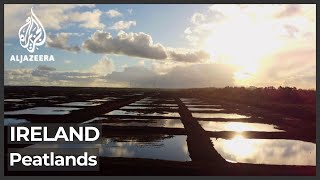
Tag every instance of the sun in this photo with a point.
(244, 42)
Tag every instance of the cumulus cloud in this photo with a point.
(276, 43)
(187, 30)
(134, 77)
(113, 13)
(89, 19)
(198, 18)
(60, 41)
(122, 25)
(56, 16)
(188, 56)
(40, 77)
(32, 77)
(46, 75)
(103, 67)
(20, 77)
(52, 75)
(53, 16)
(14, 13)
(140, 45)
(130, 44)
(196, 75)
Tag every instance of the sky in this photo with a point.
(165, 46)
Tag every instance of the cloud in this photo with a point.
(187, 30)
(67, 61)
(14, 13)
(52, 75)
(58, 16)
(141, 62)
(103, 67)
(87, 19)
(276, 42)
(163, 67)
(196, 75)
(291, 30)
(270, 44)
(30, 77)
(122, 25)
(130, 44)
(188, 56)
(140, 45)
(298, 70)
(45, 68)
(198, 18)
(113, 13)
(18, 77)
(134, 77)
(60, 41)
(130, 11)
(102, 74)
(289, 10)
(70, 76)
(53, 16)
(42, 77)
(220, 17)
(45, 75)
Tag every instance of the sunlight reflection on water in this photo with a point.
(164, 147)
(219, 115)
(266, 151)
(238, 126)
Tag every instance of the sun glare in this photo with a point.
(239, 146)
(243, 41)
(238, 127)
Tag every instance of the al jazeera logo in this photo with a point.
(32, 36)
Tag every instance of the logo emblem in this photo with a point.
(32, 34)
